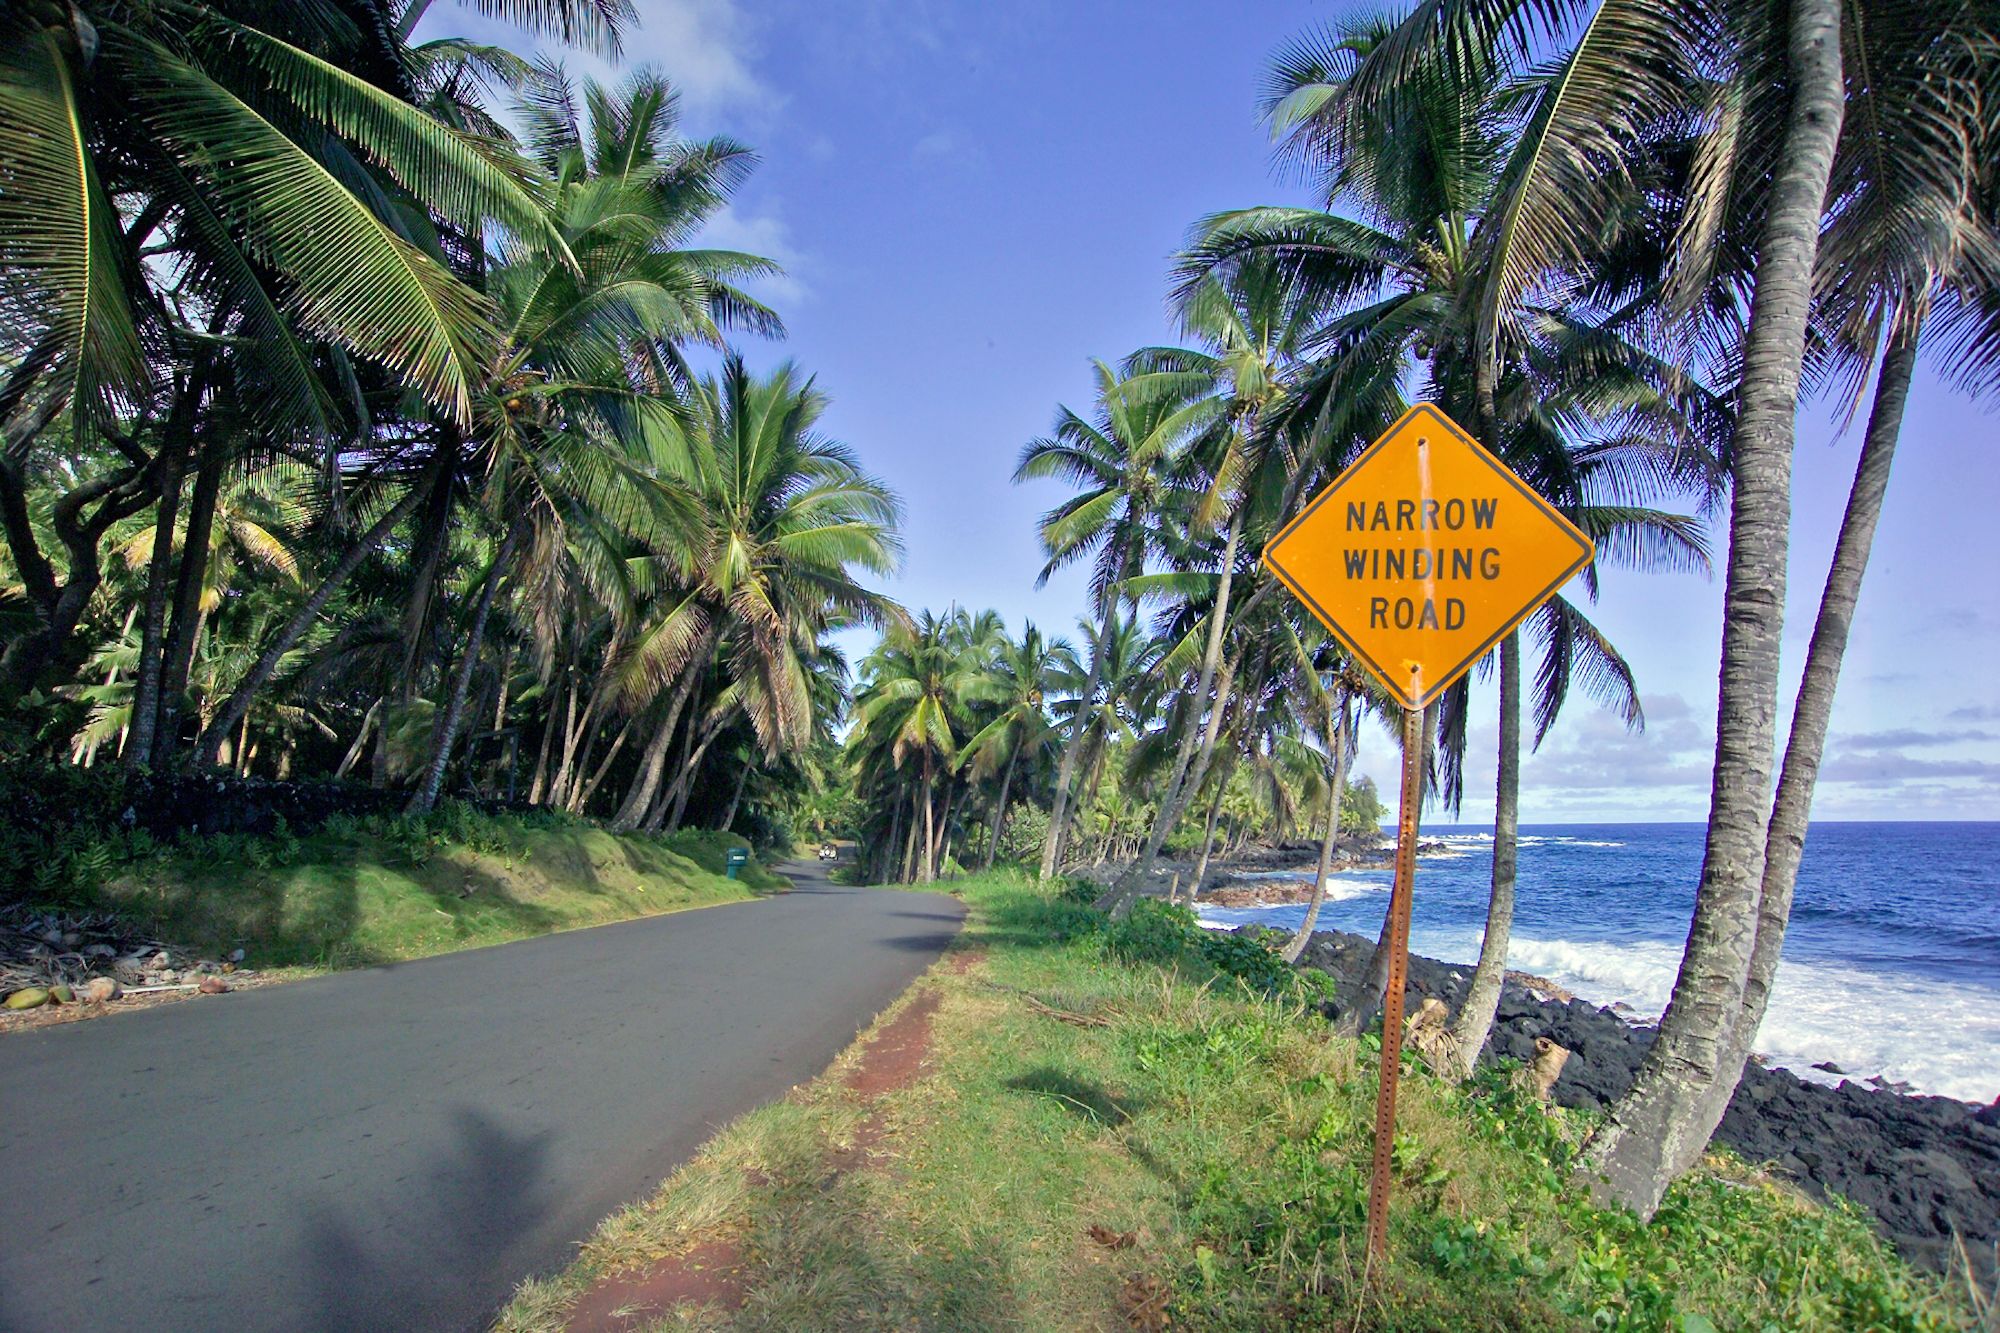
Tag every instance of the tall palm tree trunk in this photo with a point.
(185, 632)
(159, 574)
(1785, 842)
(1207, 843)
(259, 675)
(553, 791)
(930, 825)
(639, 800)
(1000, 809)
(571, 729)
(589, 788)
(502, 686)
(944, 826)
(347, 761)
(539, 782)
(1474, 1020)
(1662, 1125)
(584, 731)
(426, 794)
(1120, 897)
(735, 799)
(908, 871)
(886, 857)
(1180, 787)
(673, 803)
(1336, 790)
(1066, 771)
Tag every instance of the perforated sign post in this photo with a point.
(1420, 557)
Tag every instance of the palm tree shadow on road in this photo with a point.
(358, 1274)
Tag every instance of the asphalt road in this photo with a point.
(396, 1148)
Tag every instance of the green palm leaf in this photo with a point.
(352, 279)
(61, 269)
(465, 180)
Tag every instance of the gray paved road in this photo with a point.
(395, 1148)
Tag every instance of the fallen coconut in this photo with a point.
(213, 986)
(34, 997)
(101, 990)
(62, 994)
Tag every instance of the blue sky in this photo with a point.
(973, 200)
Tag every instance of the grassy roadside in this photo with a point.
(384, 889)
(1110, 1132)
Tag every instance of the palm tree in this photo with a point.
(1771, 80)
(567, 398)
(1122, 464)
(787, 519)
(1426, 171)
(1337, 733)
(1115, 713)
(559, 408)
(1016, 685)
(1769, 91)
(1774, 95)
(1258, 321)
(911, 707)
(1912, 253)
(237, 153)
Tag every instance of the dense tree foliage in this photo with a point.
(355, 425)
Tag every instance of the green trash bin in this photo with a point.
(738, 858)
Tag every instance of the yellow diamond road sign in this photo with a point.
(1424, 553)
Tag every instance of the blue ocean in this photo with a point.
(1891, 966)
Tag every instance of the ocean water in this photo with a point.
(1891, 965)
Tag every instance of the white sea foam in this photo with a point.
(1939, 1037)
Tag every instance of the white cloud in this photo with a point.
(705, 47)
(1891, 768)
(1903, 738)
(761, 234)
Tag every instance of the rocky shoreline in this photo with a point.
(1925, 1167)
(1224, 885)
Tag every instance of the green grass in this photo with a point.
(365, 891)
(1219, 1124)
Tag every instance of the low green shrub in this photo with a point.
(1170, 934)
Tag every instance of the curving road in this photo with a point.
(396, 1148)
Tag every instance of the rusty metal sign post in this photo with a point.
(1399, 967)
(1420, 557)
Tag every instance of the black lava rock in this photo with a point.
(1925, 1167)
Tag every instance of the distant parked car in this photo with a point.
(827, 852)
